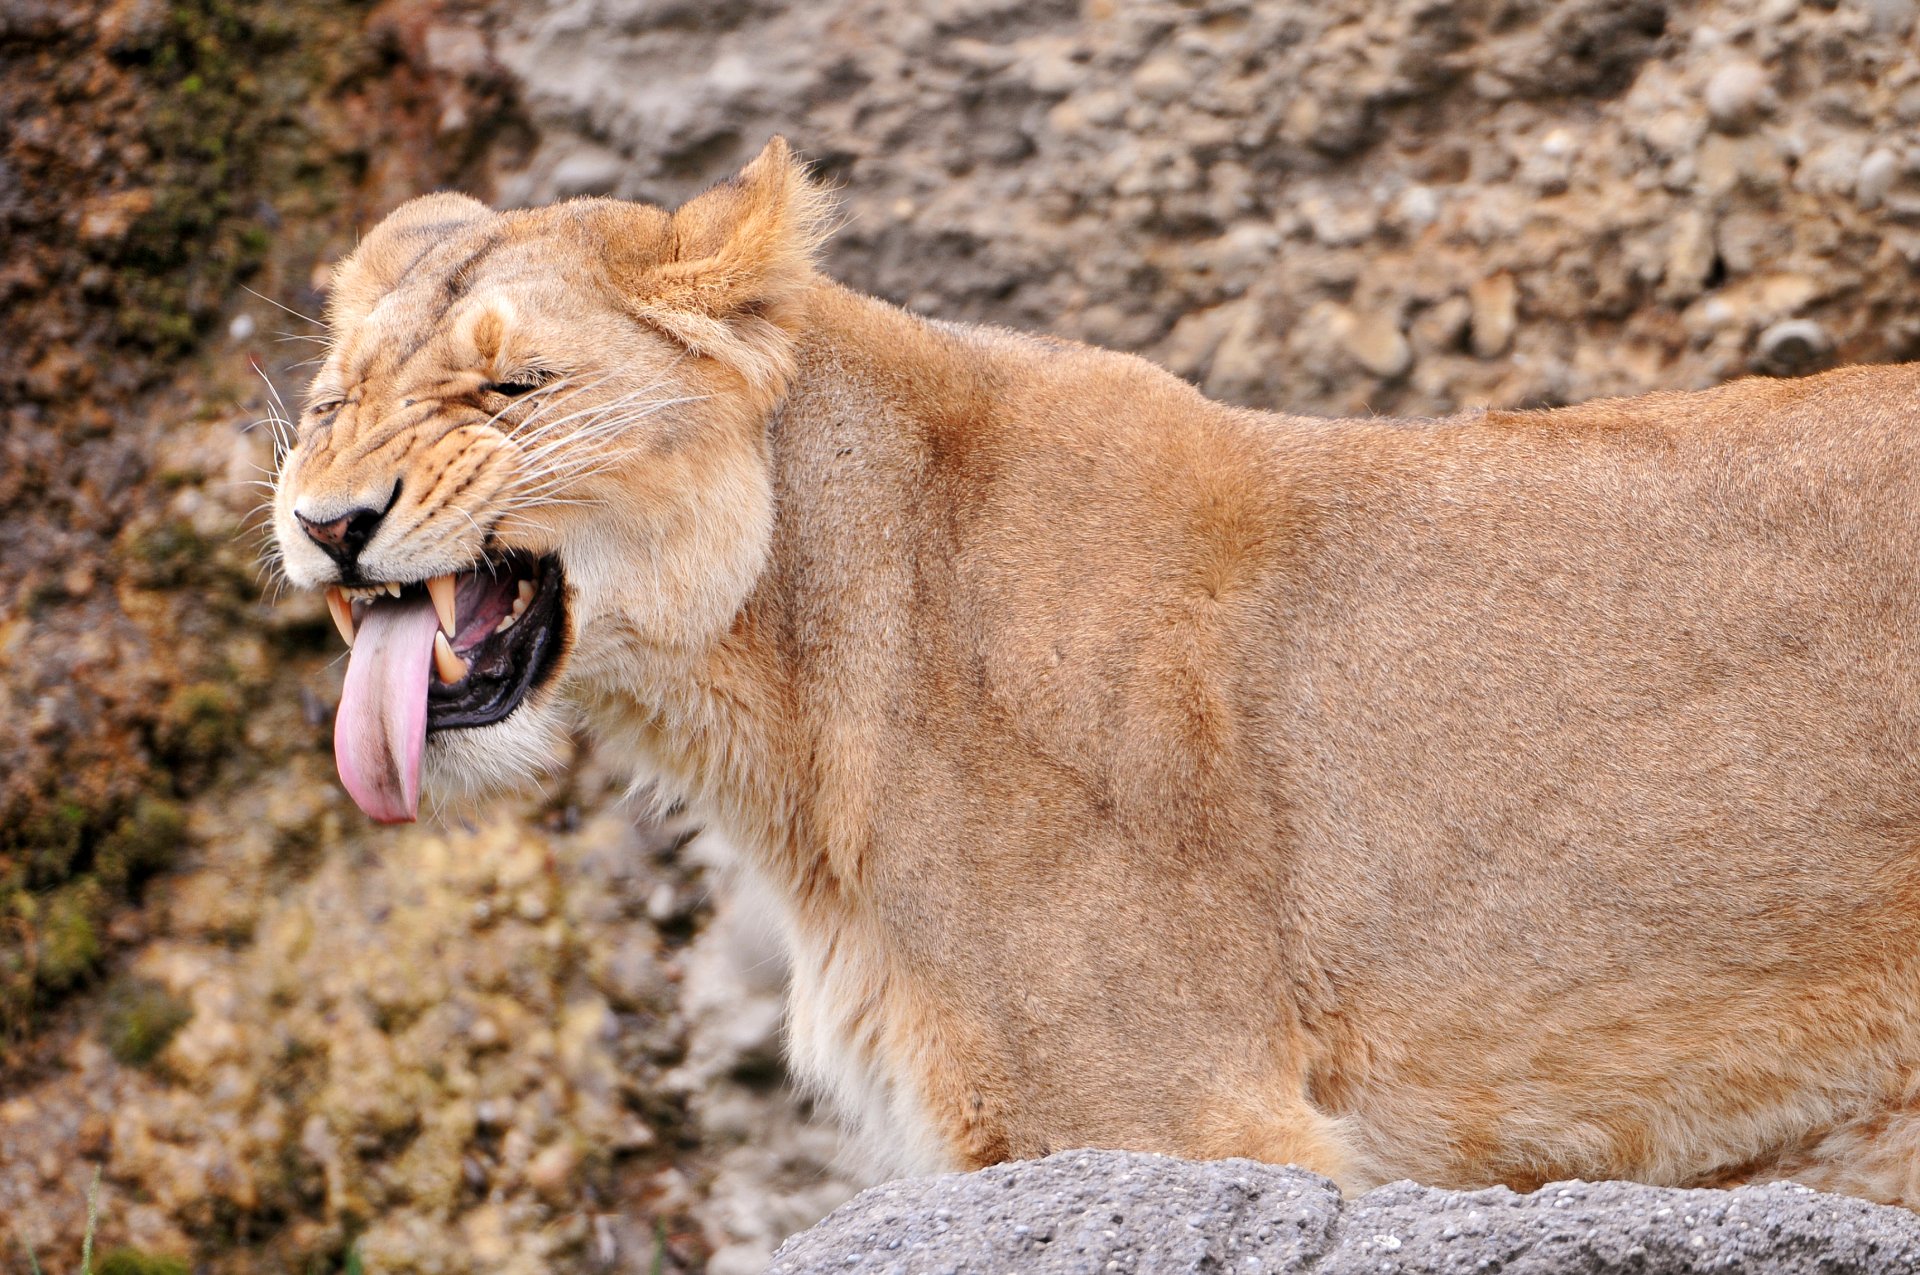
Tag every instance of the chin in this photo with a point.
(508, 756)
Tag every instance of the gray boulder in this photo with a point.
(1113, 1211)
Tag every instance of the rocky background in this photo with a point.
(545, 1037)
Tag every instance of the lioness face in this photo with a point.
(536, 437)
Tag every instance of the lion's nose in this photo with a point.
(342, 538)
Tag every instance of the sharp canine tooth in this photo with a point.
(440, 589)
(342, 612)
(393, 588)
(449, 666)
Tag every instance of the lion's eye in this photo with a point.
(514, 388)
(325, 407)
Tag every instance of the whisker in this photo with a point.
(304, 318)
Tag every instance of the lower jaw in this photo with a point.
(500, 757)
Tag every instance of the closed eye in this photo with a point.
(514, 388)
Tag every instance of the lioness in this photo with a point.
(1495, 799)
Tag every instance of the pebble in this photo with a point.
(1736, 93)
(1878, 171)
(1495, 303)
(1163, 79)
(550, 1173)
(1377, 344)
(1792, 347)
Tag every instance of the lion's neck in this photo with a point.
(764, 729)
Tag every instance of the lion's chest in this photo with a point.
(844, 1048)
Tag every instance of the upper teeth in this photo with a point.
(440, 589)
(342, 612)
(525, 595)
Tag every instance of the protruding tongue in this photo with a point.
(381, 728)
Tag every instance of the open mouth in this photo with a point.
(459, 650)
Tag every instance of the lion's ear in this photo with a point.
(733, 256)
(392, 248)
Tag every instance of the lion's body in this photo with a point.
(1492, 799)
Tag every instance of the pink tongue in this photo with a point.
(381, 728)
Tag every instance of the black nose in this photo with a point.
(342, 538)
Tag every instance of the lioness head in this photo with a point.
(537, 435)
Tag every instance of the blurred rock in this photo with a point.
(1736, 93)
(1375, 342)
(1792, 347)
(1493, 305)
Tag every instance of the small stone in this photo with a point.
(1495, 303)
(1163, 79)
(631, 975)
(1377, 344)
(456, 50)
(550, 1173)
(1878, 171)
(1736, 94)
(1417, 208)
(1442, 327)
(110, 217)
(589, 170)
(1690, 249)
(1792, 347)
(1339, 225)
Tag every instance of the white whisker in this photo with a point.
(304, 318)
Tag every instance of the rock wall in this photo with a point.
(1357, 205)
(545, 1037)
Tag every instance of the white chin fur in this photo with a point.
(510, 754)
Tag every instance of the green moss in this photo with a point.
(131, 1261)
(144, 842)
(70, 942)
(140, 1019)
(222, 75)
(64, 867)
(199, 722)
(168, 555)
(52, 839)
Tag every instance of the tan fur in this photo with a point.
(1493, 799)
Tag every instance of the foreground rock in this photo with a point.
(1119, 1211)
